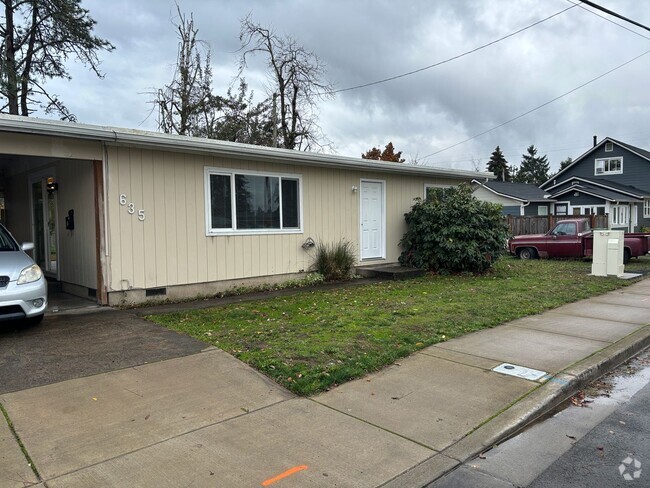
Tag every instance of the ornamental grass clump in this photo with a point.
(335, 261)
(453, 232)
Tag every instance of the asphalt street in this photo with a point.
(593, 443)
(618, 446)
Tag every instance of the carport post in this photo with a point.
(100, 233)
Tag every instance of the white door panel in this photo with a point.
(372, 219)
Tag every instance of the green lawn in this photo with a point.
(315, 339)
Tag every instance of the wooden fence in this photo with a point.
(520, 225)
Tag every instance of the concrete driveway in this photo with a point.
(75, 345)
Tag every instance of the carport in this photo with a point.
(52, 195)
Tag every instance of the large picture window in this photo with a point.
(246, 202)
(609, 166)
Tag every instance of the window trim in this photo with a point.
(646, 208)
(231, 172)
(433, 185)
(560, 203)
(619, 172)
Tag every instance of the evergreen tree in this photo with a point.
(37, 40)
(534, 169)
(567, 162)
(499, 166)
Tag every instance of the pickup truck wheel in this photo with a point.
(626, 256)
(527, 253)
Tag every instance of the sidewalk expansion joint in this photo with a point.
(375, 425)
(498, 361)
(570, 335)
(30, 461)
(431, 355)
(162, 441)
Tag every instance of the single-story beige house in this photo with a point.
(127, 216)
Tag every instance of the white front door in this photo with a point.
(372, 219)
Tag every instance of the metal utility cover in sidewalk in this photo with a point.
(520, 371)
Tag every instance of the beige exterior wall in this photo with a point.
(170, 247)
(77, 248)
(49, 147)
(487, 196)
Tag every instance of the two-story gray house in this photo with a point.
(611, 178)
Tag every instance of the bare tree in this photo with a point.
(296, 78)
(38, 37)
(186, 106)
(476, 164)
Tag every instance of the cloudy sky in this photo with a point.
(362, 41)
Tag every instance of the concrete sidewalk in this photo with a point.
(208, 420)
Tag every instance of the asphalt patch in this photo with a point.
(72, 346)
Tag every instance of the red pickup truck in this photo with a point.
(571, 238)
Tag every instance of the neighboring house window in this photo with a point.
(246, 202)
(646, 208)
(561, 209)
(542, 210)
(589, 210)
(609, 166)
(620, 214)
(609, 147)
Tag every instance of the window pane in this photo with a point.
(220, 202)
(290, 204)
(257, 202)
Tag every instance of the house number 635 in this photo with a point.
(130, 207)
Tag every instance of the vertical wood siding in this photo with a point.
(170, 246)
(77, 250)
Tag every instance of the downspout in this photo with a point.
(522, 212)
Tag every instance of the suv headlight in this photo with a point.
(30, 274)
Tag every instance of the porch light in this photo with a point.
(51, 185)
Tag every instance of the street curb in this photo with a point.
(524, 411)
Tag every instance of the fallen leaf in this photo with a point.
(600, 448)
(147, 417)
(572, 437)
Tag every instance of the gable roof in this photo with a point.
(523, 192)
(173, 142)
(636, 150)
(599, 192)
(619, 188)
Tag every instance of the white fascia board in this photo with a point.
(171, 142)
(596, 183)
(511, 197)
(581, 190)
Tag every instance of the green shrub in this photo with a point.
(335, 261)
(452, 231)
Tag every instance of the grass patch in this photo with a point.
(313, 340)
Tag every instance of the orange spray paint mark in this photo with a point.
(288, 472)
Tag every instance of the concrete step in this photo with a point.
(392, 271)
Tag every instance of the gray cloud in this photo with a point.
(365, 40)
